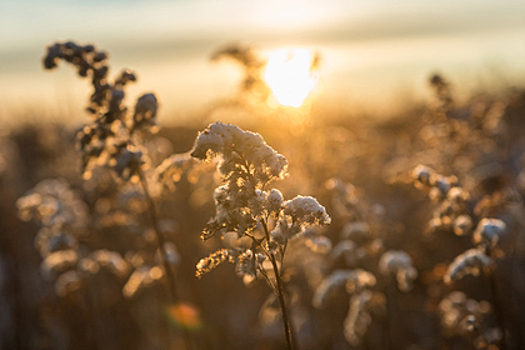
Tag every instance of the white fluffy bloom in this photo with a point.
(472, 261)
(306, 210)
(399, 264)
(489, 231)
(354, 280)
(232, 142)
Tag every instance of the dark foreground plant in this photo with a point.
(115, 139)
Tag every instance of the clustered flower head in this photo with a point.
(488, 232)
(398, 264)
(299, 213)
(64, 218)
(462, 315)
(471, 262)
(451, 214)
(354, 280)
(60, 210)
(242, 152)
(244, 207)
(108, 140)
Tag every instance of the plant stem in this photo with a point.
(390, 320)
(290, 343)
(498, 309)
(174, 296)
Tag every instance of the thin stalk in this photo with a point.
(498, 309)
(290, 342)
(174, 296)
(390, 320)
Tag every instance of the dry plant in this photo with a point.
(244, 205)
(114, 140)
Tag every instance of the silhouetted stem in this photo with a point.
(498, 309)
(174, 296)
(290, 343)
(390, 320)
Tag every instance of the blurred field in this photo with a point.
(478, 138)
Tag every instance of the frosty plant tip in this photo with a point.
(245, 207)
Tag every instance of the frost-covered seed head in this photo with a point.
(354, 280)
(472, 262)
(328, 286)
(461, 315)
(398, 264)
(231, 142)
(306, 210)
(489, 232)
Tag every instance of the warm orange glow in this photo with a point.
(185, 316)
(289, 75)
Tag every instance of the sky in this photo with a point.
(371, 49)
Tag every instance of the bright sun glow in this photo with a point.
(289, 75)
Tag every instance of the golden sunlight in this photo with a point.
(289, 75)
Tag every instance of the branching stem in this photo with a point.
(290, 343)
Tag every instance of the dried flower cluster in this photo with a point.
(115, 139)
(361, 250)
(468, 317)
(452, 214)
(354, 281)
(108, 140)
(398, 264)
(64, 219)
(243, 206)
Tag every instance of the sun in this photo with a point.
(290, 76)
